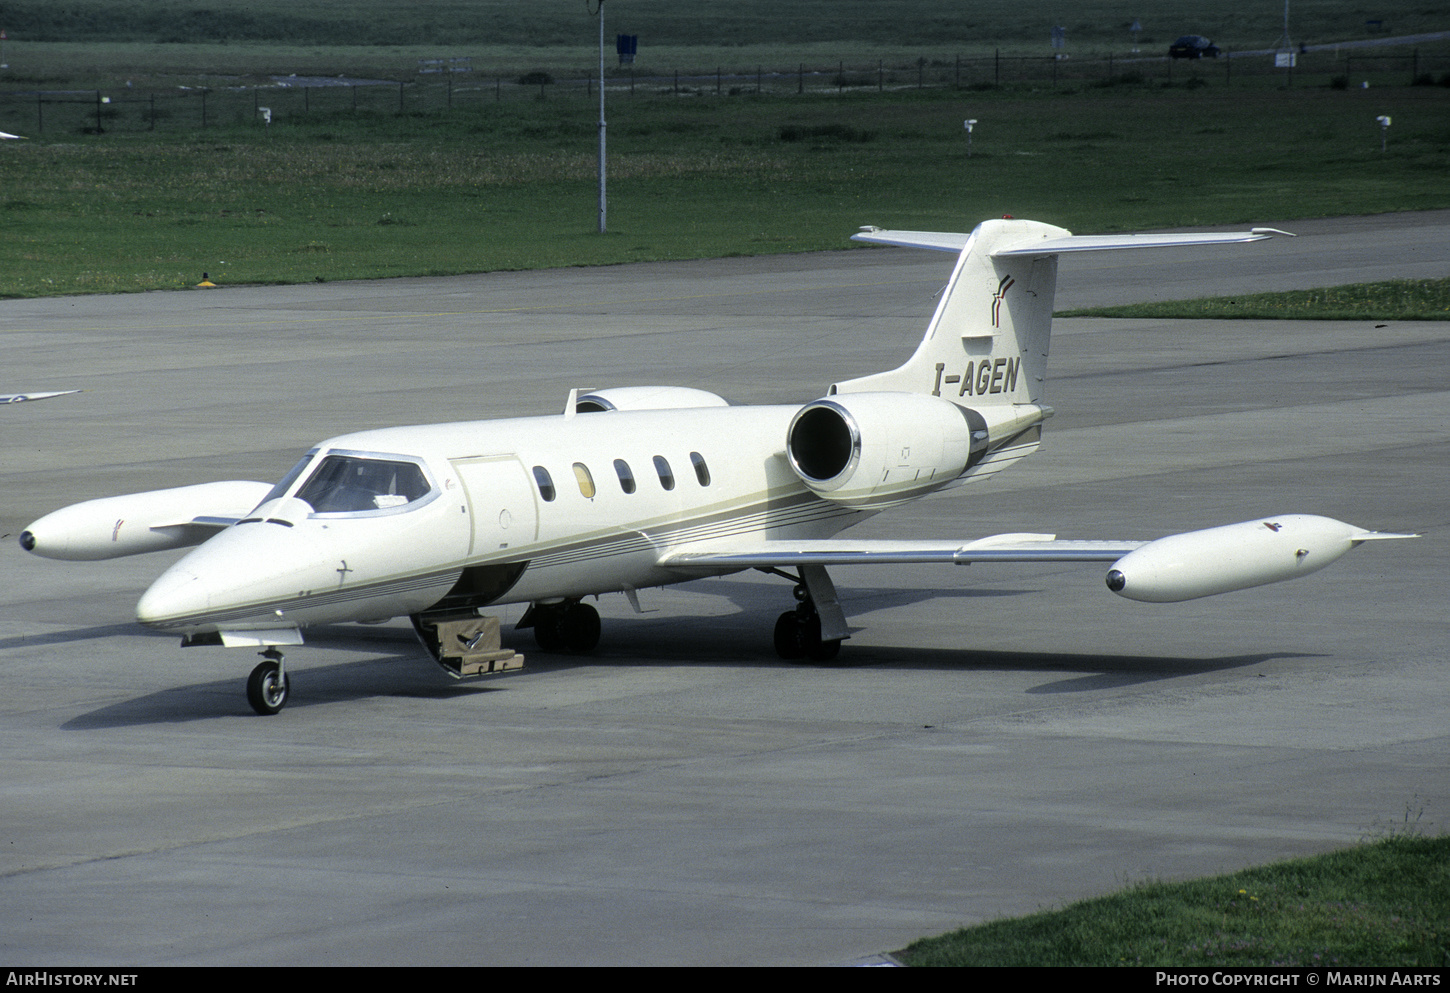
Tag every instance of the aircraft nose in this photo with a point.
(178, 592)
(240, 576)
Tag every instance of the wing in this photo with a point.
(1177, 567)
(845, 551)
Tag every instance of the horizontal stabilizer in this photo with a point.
(955, 241)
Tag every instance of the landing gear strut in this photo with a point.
(564, 627)
(268, 686)
(815, 628)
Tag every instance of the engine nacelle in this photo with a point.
(1232, 557)
(140, 522)
(646, 398)
(875, 450)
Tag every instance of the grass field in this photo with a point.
(344, 194)
(1385, 904)
(1393, 300)
(146, 181)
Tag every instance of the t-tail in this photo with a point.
(988, 341)
(985, 349)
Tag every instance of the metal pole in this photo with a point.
(603, 203)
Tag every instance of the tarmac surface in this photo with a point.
(994, 740)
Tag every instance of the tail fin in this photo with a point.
(988, 341)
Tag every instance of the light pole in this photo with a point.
(602, 200)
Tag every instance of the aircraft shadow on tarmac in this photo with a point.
(398, 669)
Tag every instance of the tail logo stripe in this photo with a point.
(1002, 288)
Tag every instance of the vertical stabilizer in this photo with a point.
(987, 343)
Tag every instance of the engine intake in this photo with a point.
(876, 450)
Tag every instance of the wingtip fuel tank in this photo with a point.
(1234, 557)
(140, 522)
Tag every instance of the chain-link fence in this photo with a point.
(49, 112)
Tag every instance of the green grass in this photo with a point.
(342, 194)
(1394, 300)
(1384, 904)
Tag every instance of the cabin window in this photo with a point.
(346, 484)
(586, 481)
(702, 471)
(667, 476)
(546, 483)
(626, 475)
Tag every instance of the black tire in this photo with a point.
(548, 630)
(580, 628)
(266, 692)
(825, 651)
(788, 636)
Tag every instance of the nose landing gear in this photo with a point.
(268, 686)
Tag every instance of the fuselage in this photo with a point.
(391, 522)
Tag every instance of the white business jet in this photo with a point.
(647, 486)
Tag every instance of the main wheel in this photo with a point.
(267, 688)
(788, 644)
(580, 628)
(548, 628)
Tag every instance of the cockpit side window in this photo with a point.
(349, 484)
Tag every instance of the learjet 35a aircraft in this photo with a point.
(646, 486)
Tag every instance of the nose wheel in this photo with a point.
(268, 685)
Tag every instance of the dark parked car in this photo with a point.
(1193, 46)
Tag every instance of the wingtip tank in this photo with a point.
(1234, 557)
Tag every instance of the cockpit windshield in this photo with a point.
(349, 483)
(293, 474)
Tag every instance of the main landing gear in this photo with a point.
(268, 686)
(570, 626)
(815, 628)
